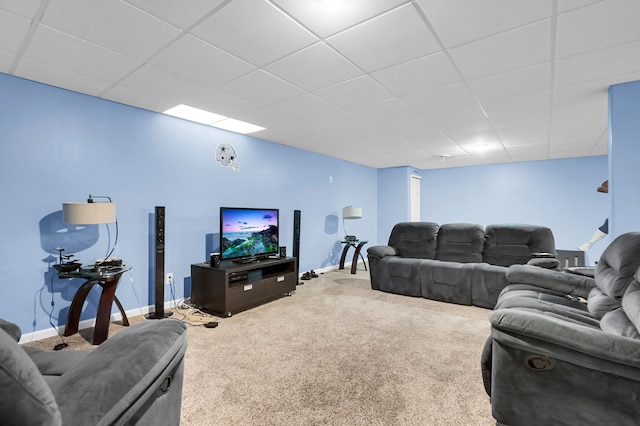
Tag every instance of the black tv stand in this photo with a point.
(233, 286)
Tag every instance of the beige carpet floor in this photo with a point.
(337, 353)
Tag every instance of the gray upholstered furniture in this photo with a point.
(135, 377)
(457, 262)
(565, 349)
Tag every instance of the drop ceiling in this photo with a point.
(383, 83)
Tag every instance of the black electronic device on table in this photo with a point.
(350, 238)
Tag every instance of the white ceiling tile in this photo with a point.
(527, 134)
(583, 91)
(137, 99)
(386, 95)
(341, 122)
(522, 102)
(327, 18)
(601, 146)
(584, 121)
(570, 148)
(54, 76)
(13, 29)
(111, 24)
(567, 5)
(456, 128)
(201, 62)
(456, 116)
(354, 92)
(154, 82)
(261, 87)
(598, 26)
(255, 31)
(305, 106)
(66, 52)
(531, 152)
(510, 83)
(519, 117)
(595, 65)
(504, 52)
(314, 67)
(383, 112)
(24, 8)
(387, 40)
(462, 21)
(6, 59)
(182, 14)
(418, 132)
(439, 98)
(417, 75)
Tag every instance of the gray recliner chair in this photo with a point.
(135, 377)
(566, 350)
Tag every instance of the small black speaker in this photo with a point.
(214, 262)
(283, 252)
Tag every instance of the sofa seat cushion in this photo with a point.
(460, 242)
(25, 398)
(401, 276)
(446, 281)
(487, 283)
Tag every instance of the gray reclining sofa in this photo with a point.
(134, 378)
(565, 349)
(457, 262)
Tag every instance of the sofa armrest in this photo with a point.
(566, 340)
(382, 251)
(544, 262)
(116, 381)
(562, 282)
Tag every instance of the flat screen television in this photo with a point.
(248, 234)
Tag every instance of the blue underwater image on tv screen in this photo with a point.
(248, 232)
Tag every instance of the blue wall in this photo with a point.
(394, 192)
(62, 146)
(624, 154)
(560, 194)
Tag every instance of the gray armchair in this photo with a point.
(565, 349)
(135, 377)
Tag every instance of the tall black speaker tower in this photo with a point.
(296, 241)
(159, 252)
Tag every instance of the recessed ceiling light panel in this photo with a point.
(194, 114)
(237, 126)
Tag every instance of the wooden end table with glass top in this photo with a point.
(357, 244)
(105, 277)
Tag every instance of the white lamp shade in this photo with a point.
(88, 213)
(352, 212)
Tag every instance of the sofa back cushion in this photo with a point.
(460, 242)
(618, 264)
(507, 245)
(415, 239)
